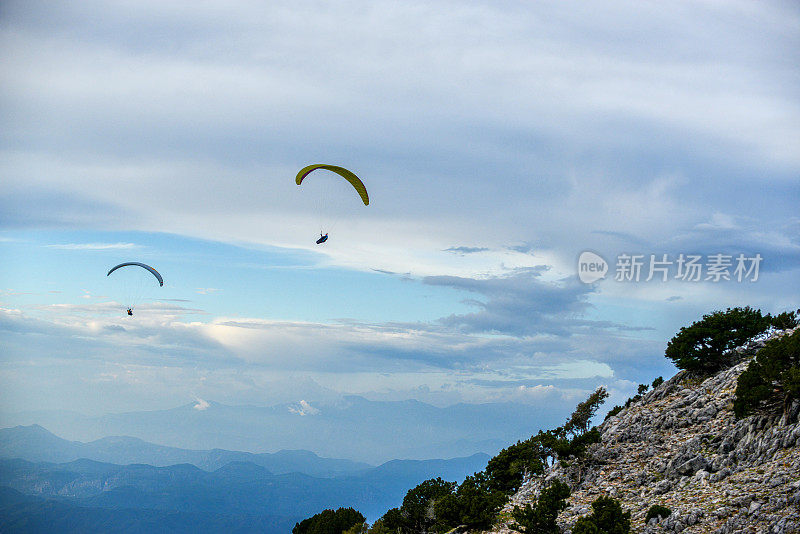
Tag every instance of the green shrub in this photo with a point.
(662, 512)
(416, 512)
(540, 518)
(379, 527)
(419, 502)
(439, 506)
(577, 446)
(581, 419)
(358, 528)
(773, 377)
(474, 505)
(392, 521)
(657, 382)
(329, 522)
(701, 346)
(614, 411)
(507, 469)
(607, 518)
(786, 320)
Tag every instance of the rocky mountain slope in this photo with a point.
(681, 447)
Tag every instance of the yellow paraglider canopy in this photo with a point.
(354, 180)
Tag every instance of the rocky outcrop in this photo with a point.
(681, 447)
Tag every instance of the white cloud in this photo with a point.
(719, 221)
(476, 126)
(303, 408)
(541, 125)
(201, 405)
(238, 359)
(94, 246)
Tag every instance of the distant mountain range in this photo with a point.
(351, 427)
(237, 493)
(36, 444)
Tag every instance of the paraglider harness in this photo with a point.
(130, 311)
(322, 239)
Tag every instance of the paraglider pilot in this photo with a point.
(130, 311)
(322, 238)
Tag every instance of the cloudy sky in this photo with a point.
(498, 141)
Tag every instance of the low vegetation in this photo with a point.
(657, 382)
(772, 379)
(512, 465)
(701, 346)
(540, 516)
(331, 522)
(474, 505)
(661, 512)
(607, 517)
(786, 320)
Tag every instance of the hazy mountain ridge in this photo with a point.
(36, 444)
(237, 488)
(350, 427)
(681, 446)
